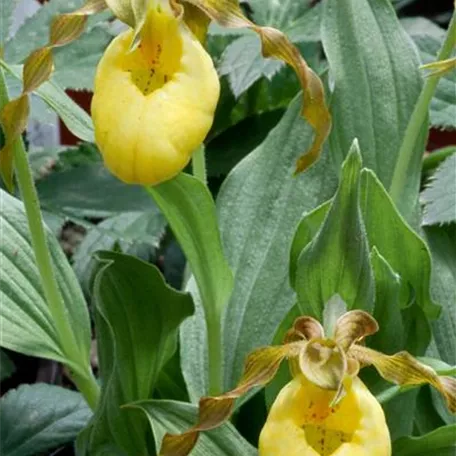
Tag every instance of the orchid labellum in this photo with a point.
(154, 105)
(325, 409)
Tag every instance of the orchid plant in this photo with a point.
(315, 252)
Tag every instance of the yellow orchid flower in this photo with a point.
(153, 106)
(302, 422)
(326, 409)
(156, 88)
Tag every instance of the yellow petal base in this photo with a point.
(152, 107)
(302, 423)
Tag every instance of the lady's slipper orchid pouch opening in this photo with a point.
(303, 422)
(326, 410)
(153, 105)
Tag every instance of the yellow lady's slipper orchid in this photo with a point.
(154, 105)
(302, 422)
(325, 410)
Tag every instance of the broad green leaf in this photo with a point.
(90, 191)
(7, 8)
(190, 210)
(376, 87)
(378, 212)
(429, 37)
(337, 260)
(400, 246)
(441, 442)
(387, 310)
(27, 324)
(40, 417)
(259, 205)
(306, 230)
(442, 242)
(137, 317)
(73, 116)
(439, 196)
(128, 230)
(176, 417)
(7, 367)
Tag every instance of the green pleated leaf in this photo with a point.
(72, 115)
(36, 418)
(307, 229)
(441, 442)
(176, 417)
(137, 318)
(337, 259)
(190, 210)
(439, 197)
(259, 206)
(402, 248)
(377, 82)
(27, 324)
(387, 311)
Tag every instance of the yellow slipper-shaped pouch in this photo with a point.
(302, 423)
(153, 106)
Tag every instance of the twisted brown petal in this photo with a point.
(276, 45)
(260, 367)
(403, 369)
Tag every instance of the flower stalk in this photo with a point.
(418, 119)
(199, 164)
(84, 380)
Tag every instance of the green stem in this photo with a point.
(85, 381)
(214, 342)
(199, 164)
(213, 320)
(418, 119)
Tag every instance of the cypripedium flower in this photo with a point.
(154, 105)
(156, 88)
(302, 422)
(326, 409)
